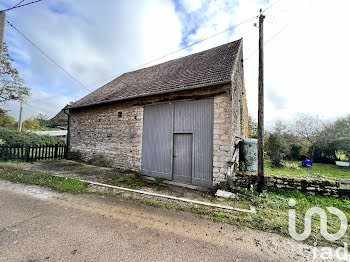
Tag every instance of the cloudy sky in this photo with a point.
(307, 57)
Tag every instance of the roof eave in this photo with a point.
(153, 94)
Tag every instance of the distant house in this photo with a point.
(176, 120)
(61, 119)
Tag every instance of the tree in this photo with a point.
(295, 151)
(252, 128)
(6, 120)
(307, 129)
(31, 124)
(11, 85)
(276, 148)
(43, 120)
(335, 137)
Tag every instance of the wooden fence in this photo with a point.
(33, 153)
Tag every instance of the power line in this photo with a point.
(72, 91)
(47, 56)
(183, 48)
(271, 5)
(18, 5)
(270, 39)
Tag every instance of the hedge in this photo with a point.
(12, 137)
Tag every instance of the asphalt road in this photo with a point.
(37, 224)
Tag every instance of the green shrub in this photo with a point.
(276, 161)
(295, 151)
(7, 121)
(276, 148)
(31, 124)
(12, 137)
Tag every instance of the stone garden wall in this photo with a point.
(309, 185)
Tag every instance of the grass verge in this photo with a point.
(60, 184)
(272, 213)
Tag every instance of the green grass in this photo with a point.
(60, 184)
(272, 213)
(317, 169)
(129, 180)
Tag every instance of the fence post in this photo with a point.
(27, 153)
(65, 148)
(2, 152)
(56, 150)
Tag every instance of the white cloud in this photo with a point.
(39, 102)
(306, 65)
(92, 41)
(192, 5)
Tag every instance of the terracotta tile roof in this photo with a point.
(213, 66)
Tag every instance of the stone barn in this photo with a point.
(177, 120)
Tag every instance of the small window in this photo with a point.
(120, 114)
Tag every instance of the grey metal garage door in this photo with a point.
(174, 132)
(157, 140)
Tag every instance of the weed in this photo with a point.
(291, 165)
(158, 180)
(128, 179)
(99, 160)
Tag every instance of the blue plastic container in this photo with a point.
(306, 163)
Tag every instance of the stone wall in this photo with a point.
(113, 131)
(230, 120)
(222, 137)
(239, 106)
(309, 185)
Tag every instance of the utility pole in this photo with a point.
(20, 117)
(2, 29)
(261, 180)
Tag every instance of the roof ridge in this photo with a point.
(206, 67)
(193, 54)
